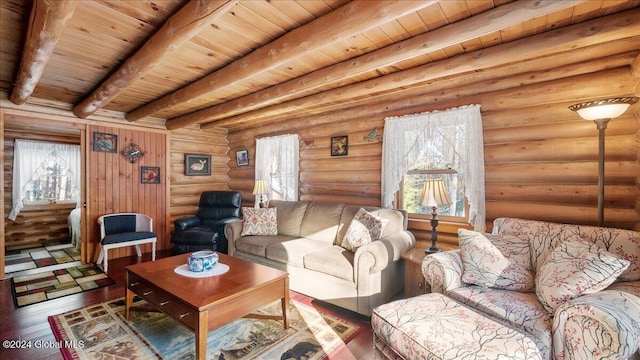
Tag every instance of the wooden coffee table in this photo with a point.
(204, 304)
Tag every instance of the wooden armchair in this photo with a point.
(125, 229)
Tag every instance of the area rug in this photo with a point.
(43, 286)
(26, 259)
(101, 332)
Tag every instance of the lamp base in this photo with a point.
(432, 250)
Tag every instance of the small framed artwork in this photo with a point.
(150, 175)
(103, 142)
(197, 164)
(339, 145)
(242, 157)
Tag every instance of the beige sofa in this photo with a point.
(308, 247)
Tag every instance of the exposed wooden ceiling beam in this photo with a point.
(610, 28)
(474, 27)
(46, 23)
(178, 29)
(352, 18)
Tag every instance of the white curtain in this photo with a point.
(277, 160)
(28, 157)
(461, 129)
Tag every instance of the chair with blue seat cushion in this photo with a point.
(125, 229)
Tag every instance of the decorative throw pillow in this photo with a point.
(495, 261)
(573, 269)
(259, 221)
(364, 228)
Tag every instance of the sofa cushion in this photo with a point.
(395, 224)
(292, 251)
(291, 214)
(495, 261)
(544, 237)
(334, 260)
(518, 309)
(363, 229)
(433, 326)
(321, 221)
(257, 245)
(573, 269)
(259, 221)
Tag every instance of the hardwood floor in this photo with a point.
(30, 323)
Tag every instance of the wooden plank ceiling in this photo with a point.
(237, 64)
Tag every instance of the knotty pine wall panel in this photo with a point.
(540, 157)
(115, 186)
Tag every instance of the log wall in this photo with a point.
(540, 157)
(185, 190)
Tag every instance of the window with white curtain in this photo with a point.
(439, 144)
(44, 172)
(277, 160)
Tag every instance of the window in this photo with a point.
(436, 145)
(277, 160)
(52, 182)
(44, 172)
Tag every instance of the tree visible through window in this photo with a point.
(44, 172)
(51, 182)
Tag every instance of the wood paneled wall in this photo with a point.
(115, 186)
(186, 190)
(540, 157)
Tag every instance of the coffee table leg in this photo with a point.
(128, 299)
(202, 330)
(285, 304)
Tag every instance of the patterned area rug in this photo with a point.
(101, 332)
(20, 260)
(43, 286)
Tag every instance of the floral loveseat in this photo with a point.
(530, 290)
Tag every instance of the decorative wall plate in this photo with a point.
(132, 152)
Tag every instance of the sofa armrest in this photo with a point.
(604, 323)
(377, 255)
(443, 271)
(185, 223)
(232, 231)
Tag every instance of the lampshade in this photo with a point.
(603, 109)
(434, 193)
(261, 187)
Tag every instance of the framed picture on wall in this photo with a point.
(103, 142)
(150, 175)
(242, 157)
(340, 145)
(197, 164)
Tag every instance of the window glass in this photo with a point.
(52, 181)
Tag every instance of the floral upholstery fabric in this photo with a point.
(519, 310)
(605, 325)
(364, 228)
(495, 261)
(587, 327)
(443, 271)
(573, 269)
(544, 237)
(414, 328)
(259, 221)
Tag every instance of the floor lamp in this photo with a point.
(434, 194)
(601, 112)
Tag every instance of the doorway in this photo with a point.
(41, 234)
